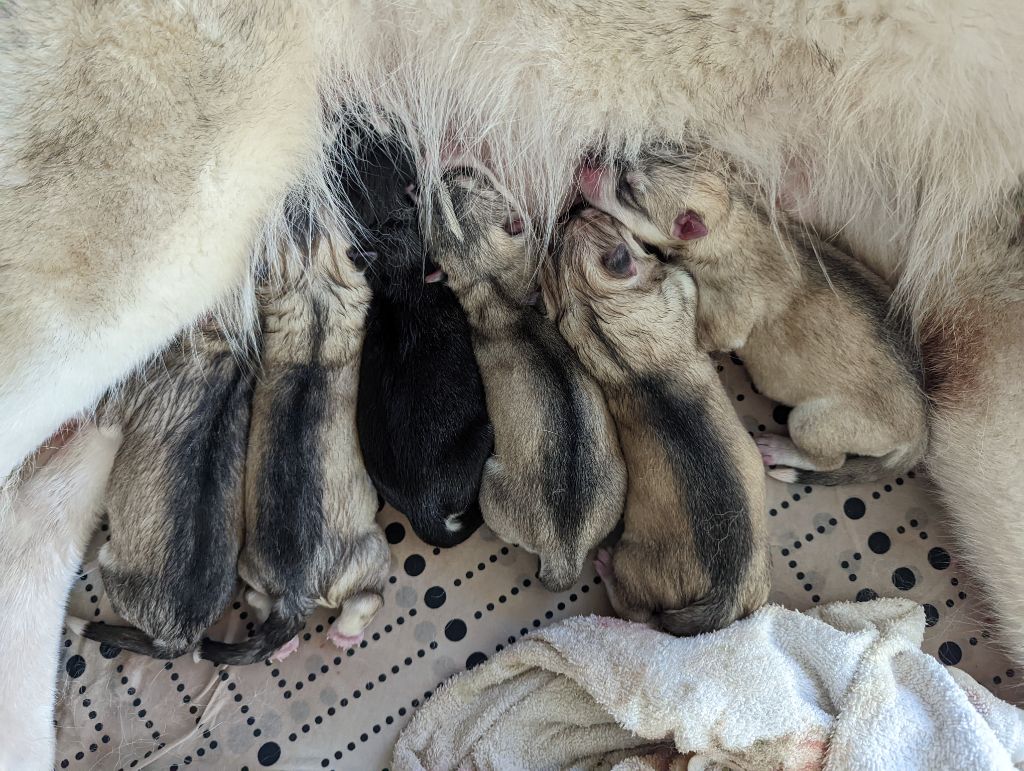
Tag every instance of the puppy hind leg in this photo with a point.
(356, 614)
(603, 564)
(782, 453)
(821, 433)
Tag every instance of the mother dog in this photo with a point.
(146, 147)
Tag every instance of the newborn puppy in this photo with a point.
(811, 323)
(556, 482)
(174, 499)
(423, 425)
(311, 530)
(693, 554)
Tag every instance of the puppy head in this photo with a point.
(669, 200)
(474, 234)
(374, 180)
(603, 283)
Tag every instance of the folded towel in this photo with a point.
(843, 686)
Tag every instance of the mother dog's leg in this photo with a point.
(141, 144)
(977, 449)
(47, 524)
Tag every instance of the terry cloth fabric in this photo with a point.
(843, 686)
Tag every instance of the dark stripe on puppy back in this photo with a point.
(204, 499)
(289, 494)
(707, 483)
(867, 293)
(570, 462)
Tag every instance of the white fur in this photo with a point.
(129, 201)
(46, 525)
(123, 221)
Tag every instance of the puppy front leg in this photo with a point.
(46, 525)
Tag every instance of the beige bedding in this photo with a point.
(449, 610)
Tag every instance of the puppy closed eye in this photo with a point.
(514, 226)
(619, 262)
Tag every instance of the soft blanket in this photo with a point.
(843, 686)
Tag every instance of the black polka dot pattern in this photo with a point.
(414, 565)
(75, 666)
(455, 609)
(268, 754)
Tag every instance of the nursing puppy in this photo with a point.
(694, 553)
(812, 325)
(311, 534)
(877, 119)
(174, 499)
(422, 417)
(556, 482)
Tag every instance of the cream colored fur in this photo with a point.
(145, 145)
(46, 528)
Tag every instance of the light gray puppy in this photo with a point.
(556, 482)
(310, 509)
(693, 556)
(812, 325)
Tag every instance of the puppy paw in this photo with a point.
(775, 450)
(344, 641)
(286, 650)
(603, 564)
(782, 474)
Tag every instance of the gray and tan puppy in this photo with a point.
(174, 498)
(556, 481)
(693, 556)
(812, 325)
(311, 531)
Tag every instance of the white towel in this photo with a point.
(843, 686)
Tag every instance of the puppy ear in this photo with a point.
(689, 226)
(619, 262)
(360, 257)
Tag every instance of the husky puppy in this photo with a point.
(556, 482)
(812, 325)
(877, 119)
(694, 552)
(174, 499)
(311, 534)
(422, 416)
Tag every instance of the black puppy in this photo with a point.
(423, 426)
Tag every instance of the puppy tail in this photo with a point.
(130, 639)
(451, 530)
(856, 470)
(280, 627)
(714, 611)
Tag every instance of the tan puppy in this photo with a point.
(311, 531)
(174, 499)
(694, 552)
(556, 482)
(812, 325)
